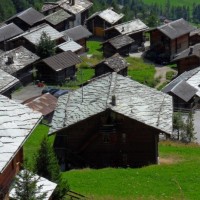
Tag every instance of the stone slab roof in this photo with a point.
(78, 7)
(115, 62)
(120, 41)
(191, 77)
(33, 35)
(133, 100)
(44, 104)
(29, 16)
(70, 45)
(191, 51)
(47, 186)
(16, 124)
(108, 15)
(76, 33)
(7, 81)
(21, 58)
(57, 17)
(62, 60)
(9, 31)
(130, 27)
(176, 28)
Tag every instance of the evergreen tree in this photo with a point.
(46, 165)
(45, 47)
(178, 123)
(26, 187)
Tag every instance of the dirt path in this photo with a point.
(161, 74)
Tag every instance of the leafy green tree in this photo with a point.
(45, 47)
(178, 123)
(26, 187)
(46, 165)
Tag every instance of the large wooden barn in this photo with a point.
(112, 121)
(170, 39)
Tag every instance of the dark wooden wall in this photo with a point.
(107, 139)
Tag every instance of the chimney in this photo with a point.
(191, 51)
(122, 29)
(113, 100)
(72, 2)
(9, 60)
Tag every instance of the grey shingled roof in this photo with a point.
(70, 45)
(130, 27)
(115, 62)
(195, 32)
(108, 15)
(16, 124)
(62, 60)
(9, 31)
(184, 91)
(33, 35)
(78, 7)
(7, 81)
(191, 77)
(176, 28)
(76, 33)
(21, 58)
(57, 17)
(191, 51)
(47, 186)
(30, 16)
(120, 41)
(134, 100)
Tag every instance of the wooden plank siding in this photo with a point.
(11, 170)
(95, 143)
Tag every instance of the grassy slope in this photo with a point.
(173, 2)
(168, 181)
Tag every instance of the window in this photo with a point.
(124, 137)
(106, 138)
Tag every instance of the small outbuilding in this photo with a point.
(26, 19)
(113, 121)
(114, 63)
(98, 22)
(195, 37)
(188, 59)
(79, 34)
(134, 28)
(120, 44)
(56, 69)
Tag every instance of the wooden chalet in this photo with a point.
(19, 63)
(79, 34)
(120, 44)
(17, 123)
(111, 122)
(79, 9)
(45, 104)
(8, 84)
(7, 32)
(114, 63)
(134, 28)
(31, 38)
(195, 37)
(188, 59)
(26, 19)
(185, 89)
(60, 20)
(170, 39)
(99, 21)
(57, 69)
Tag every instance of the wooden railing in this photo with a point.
(74, 195)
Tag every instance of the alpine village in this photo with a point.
(99, 104)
